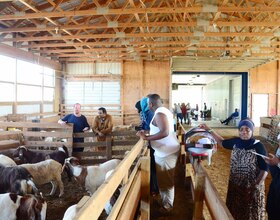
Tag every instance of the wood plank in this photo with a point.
(7, 144)
(3, 133)
(66, 134)
(216, 206)
(36, 125)
(115, 210)
(199, 196)
(47, 144)
(89, 154)
(133, 198)
(145, 187)
(89, 144)
(124, 143)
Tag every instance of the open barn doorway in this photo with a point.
(222, 92)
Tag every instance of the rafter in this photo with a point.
(166, 10)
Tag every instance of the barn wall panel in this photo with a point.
(265, 79)
(143, 78)
(157, 78)
(132, 85)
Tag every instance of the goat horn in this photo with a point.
(63, 167)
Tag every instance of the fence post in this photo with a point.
(199, 196)
(109, 140)
(145, 187)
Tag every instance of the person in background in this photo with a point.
(102, 124)
(139, 110)
(204, 112)
(273, 197)
(178, 112)
(166, 145)
(138, 106)
(184, 112)
(147, 117)
(188, 113)
(196, 111)
(232, 116)
(80, 124)
(246, 195)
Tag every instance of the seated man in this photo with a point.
(102, 124)
(232, 116)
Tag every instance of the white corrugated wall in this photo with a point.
(93, 68)
(93, 92)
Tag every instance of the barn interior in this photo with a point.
(112, 53)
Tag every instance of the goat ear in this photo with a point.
(75, 161)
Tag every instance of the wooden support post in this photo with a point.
(199, 196)
(109, 147)
(145, 188)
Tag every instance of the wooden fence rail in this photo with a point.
(34, 135)
(203, 189)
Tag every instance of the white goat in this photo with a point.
(109, 205)
(7, 161)
(90, 177)
(45, 172)
(70, 213)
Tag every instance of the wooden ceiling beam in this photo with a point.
(151, 43)
(162, 10)
(164, 56)
(136, 35)
(113, 50)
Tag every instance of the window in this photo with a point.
(4, 110)
(48, 77)
(92, 92)
(29, 73)
(29, 93)
(28, 109)
(22, 81)
(8, 92)
(8, 69)
(48, 94)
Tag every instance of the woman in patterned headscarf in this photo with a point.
(245, 196)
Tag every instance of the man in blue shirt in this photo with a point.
(80, 124)
(232, 116)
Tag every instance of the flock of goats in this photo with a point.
(20, 198)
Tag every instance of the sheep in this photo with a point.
(7, 161)
(13, 207)
(45, 172)
(90, 177)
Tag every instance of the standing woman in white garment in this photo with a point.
(166, 145)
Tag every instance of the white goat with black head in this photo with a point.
(90, 177)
